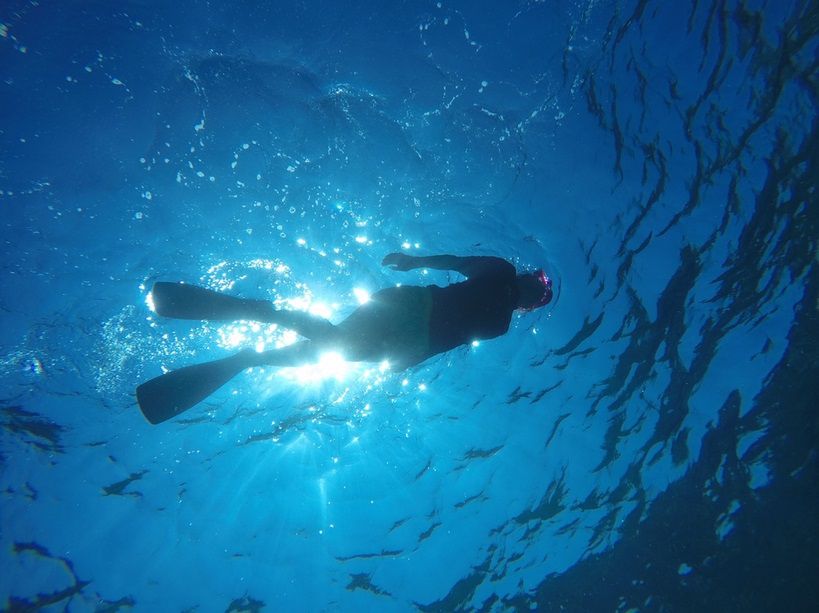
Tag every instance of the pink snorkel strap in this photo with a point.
(546, 282)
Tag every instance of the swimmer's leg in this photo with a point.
(307, 325)
(185, 301)
(168, 395)
(297, 354)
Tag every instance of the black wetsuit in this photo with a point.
(479, 308)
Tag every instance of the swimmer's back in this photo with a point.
(479, 308)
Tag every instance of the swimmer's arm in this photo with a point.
(467, 266)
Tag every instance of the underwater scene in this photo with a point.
(641, 437)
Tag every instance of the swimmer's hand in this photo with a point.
(399, 261)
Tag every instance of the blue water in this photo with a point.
(646, 442)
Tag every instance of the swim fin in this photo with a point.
(175, 392)
(184, 301)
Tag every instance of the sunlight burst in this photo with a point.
(362, 295)
(331, 365)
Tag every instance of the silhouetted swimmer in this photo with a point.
(402, 325)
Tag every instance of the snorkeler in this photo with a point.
(403, 325)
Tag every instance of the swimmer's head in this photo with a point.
(534, 290)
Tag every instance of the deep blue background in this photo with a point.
(647, 442)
